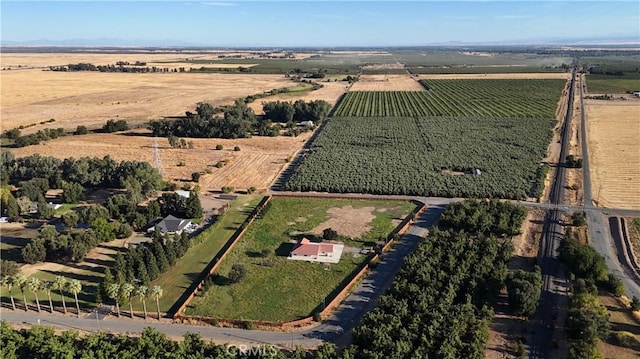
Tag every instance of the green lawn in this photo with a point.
(178, 278)
(66, 207)
(278, 289)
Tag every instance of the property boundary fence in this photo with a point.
(334, 299)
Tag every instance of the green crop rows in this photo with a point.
(459, 138)
(469, 97)
(408, 155)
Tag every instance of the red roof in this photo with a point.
(305, 247)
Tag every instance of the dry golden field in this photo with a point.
(613, 130)
(152, 58)
(550, 75)
(91, 98)
(386, 83)
(257, 164)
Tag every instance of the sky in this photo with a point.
(315, 23)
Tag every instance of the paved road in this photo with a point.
(597, 223)
(336, 328)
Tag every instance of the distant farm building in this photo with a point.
(305, 250)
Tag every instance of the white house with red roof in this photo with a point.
(305, 250)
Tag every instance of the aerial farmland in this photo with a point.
(434, 175)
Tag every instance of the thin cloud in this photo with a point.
(461, 17)
(514, 17)
(219, 3)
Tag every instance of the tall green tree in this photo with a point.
(47, 287)
(126, 292)
(8, 283)
(156, 293)
(142, 292)
(72, 192)
(21, 281)
(70, 219)
(113, 291)
(34, 286)
(75, 287)
(59, 284)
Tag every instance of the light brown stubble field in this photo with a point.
(386, 83)
(92, 98)
(257, 164)
(613, 130)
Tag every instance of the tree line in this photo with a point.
(34, 175)
(439, 304)
(51, 133)
(60, 285)
(238, 120)
(118, 67)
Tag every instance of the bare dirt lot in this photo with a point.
(92, 98)
(386, 83)
(257, 164)
(348, 221)
(550, 75)
(613, 130)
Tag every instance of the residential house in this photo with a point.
(316, 252)
(171, 225)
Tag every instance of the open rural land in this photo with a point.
(336, 202)
(613, 131)
(73, 99)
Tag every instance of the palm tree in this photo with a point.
(75, 287)
(34, 286)
(156, 293)
(21, 281)
(141, 292)
(113, 291)
(9, 283)
(46, 286)
(127, 291)
(59, 284)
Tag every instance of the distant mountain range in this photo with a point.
(117, 42)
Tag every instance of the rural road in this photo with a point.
(600, 235)
(335, 328)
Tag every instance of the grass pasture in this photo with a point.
(278, 289)
(178, 278)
